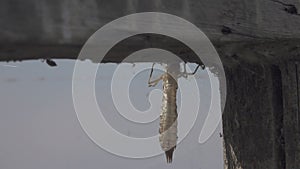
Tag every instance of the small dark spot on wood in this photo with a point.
(226, 30)
(51, 63)
(291, 9)
(293, 48)
(235, 56)
(148, 37)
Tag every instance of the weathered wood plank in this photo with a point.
(34, 29)
(249, 119)
(72, 22)
(291, 114)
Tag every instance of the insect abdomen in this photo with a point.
(168, 117)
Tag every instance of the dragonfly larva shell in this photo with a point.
(168, 117)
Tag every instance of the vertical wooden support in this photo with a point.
(252, 119)
(291, 76)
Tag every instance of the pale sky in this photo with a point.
(39, 128)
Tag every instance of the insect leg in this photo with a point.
(194, 70)
(154, 82)
(185, 74)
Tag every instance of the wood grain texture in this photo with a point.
(34, 29)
